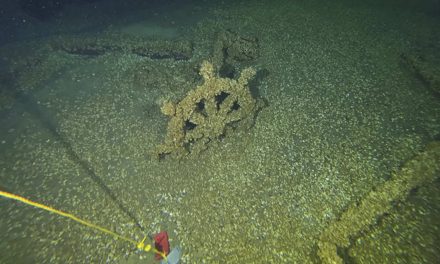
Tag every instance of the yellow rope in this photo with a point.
(139, 245)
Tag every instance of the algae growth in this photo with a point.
(343, 114)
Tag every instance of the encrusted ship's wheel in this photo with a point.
(206, 112)
(211, 115)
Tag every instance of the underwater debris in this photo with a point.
(425, 68)
(232, 49)
(110, 42)
(420, 170)
(207, 112)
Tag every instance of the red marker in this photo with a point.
(161, 244)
